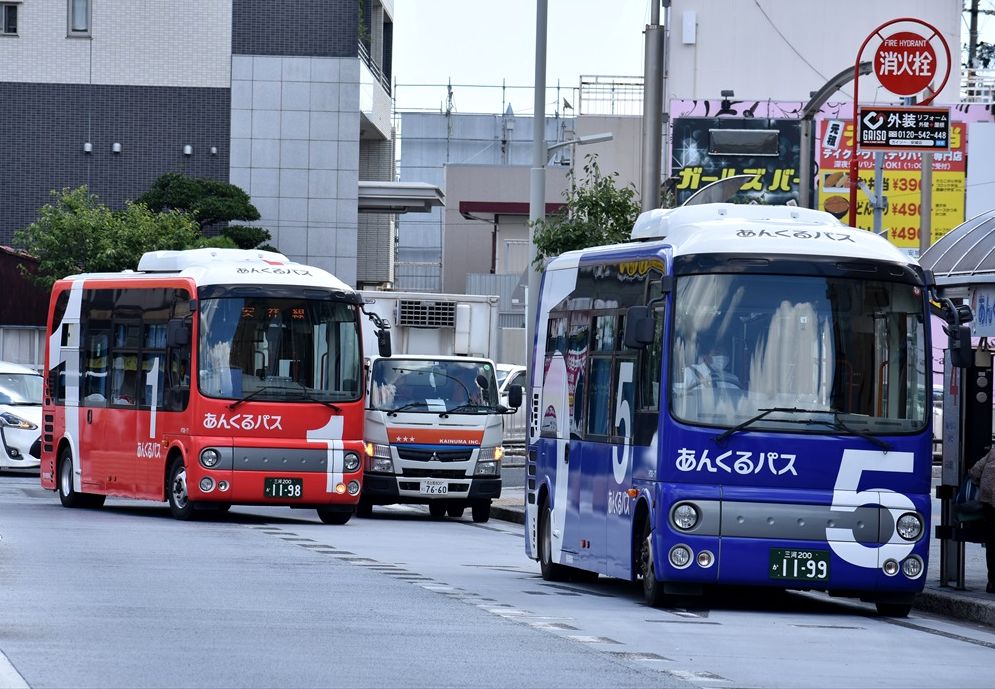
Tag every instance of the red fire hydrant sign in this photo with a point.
(905, 63)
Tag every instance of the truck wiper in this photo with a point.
(409, 405)
(467, 406)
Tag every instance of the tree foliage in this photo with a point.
(596, 212)
(76, 233)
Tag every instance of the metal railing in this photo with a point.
(375, 69)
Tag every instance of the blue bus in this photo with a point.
(739, 396)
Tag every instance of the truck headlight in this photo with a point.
(490, 453)
(487, 468)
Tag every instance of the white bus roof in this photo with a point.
(726, 228)
(211, 266)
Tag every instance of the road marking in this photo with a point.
(9, 677)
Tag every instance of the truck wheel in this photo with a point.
(364, 509)
(455, 510)
(180, 504)
(328, 516)
(481, 510)
(437, 509)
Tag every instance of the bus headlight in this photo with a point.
(351, 462)
(487, 468)
(685, 516)
(912, 567)
(209, 458)
(909, 526)
(680, 556)
(207, 484)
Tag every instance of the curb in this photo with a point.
(507, 514)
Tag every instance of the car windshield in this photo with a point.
(20, 388)
(425, 385)
(851, 348)
(279, 349)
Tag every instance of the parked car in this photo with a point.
(20, 417)
(514, 424)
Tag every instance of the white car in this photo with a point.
(20, 417)
(508, 375)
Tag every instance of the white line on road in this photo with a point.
(9, 677)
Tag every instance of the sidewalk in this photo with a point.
(971, 604)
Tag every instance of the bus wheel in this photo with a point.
(481, 510)
(67, 493)
(652, 591)
(364, 509)
(437, 509)
(893, 609)
(455, 510)
(180, 504)
(550, 570)
(328, 516)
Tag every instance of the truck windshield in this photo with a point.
(279, 349)
(851, 348)
(426, 385)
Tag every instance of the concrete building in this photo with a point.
(289, 101)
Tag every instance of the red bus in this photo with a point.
(206, 378)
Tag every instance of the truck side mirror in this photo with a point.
(640, 327)
(383, 343)
(515, 396)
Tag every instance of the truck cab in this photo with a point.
(434, 434)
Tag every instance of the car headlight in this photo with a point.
(351, 462)
(487, 468)
(490, 454)
(210, 457)
(909, 526)
(15, 421)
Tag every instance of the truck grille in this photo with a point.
(434, 455)
(433, 473)
(426, 314)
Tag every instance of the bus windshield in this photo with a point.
(427, 385)
(279, 349)
(853, 349)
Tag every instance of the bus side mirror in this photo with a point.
(383, 343)
(640, 328)
(515, 396)
(959, 343)
(177, 333)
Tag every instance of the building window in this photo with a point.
(79, 17)
(8, 15)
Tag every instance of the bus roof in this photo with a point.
(723, 228)
(211, 266)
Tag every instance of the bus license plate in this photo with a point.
(434, 487)
(791, 563)
(282, 487)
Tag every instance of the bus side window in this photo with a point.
(648, 388)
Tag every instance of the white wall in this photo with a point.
(176, 43)
(783, 49)
(981, 166)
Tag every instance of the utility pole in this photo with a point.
(653, 109)
(972, 41)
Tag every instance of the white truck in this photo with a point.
(434, 423)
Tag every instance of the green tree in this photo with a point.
(596, 212)
(76, 233)
(210, 202)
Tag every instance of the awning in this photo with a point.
(965, 255)
(399, 197)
